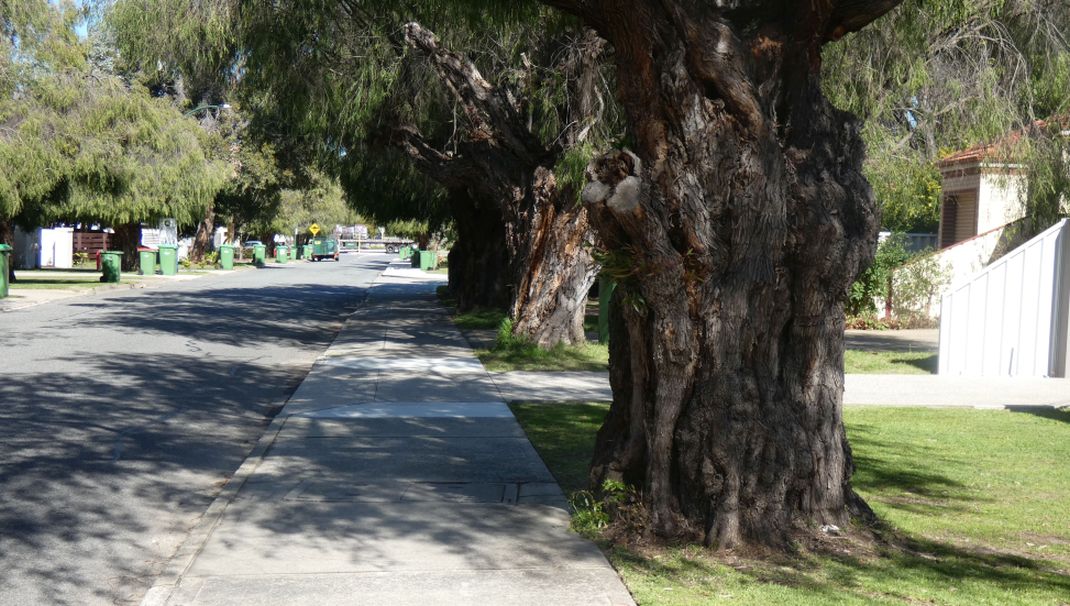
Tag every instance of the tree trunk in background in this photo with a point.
(549, 242)
(478, 261)
(743, 217)
(7, 236)
(232, 230)
(126, 239)
(519, 223)
(202, 241)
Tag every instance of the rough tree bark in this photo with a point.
(743, 216)
(515, 203)
(203, 238)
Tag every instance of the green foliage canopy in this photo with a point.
(78, 143)
(320, 200)
(931, 78)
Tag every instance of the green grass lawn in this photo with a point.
(480, 319)
(595, 356)
(978, 503)
(889, 362)
(508, 355)
(521, 356)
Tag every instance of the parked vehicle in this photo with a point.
(324, 248)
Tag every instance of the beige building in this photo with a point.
(981, 194)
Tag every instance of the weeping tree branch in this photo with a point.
(586, 106)
(490, 112)
(443, 167)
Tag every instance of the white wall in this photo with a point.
(970, 256)
(44, 248)
(1000, 200)
(219, 237)
(57, 247)
(1012, 318)
(150, 237)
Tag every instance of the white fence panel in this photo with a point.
(1012, 317)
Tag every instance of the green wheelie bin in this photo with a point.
(111, 264)
(5, 268)
(281, 252)
(259, 254)
(147, 260)
(169, 259)
(428, 259)
(226, 256)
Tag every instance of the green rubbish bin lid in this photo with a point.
(113, 252)
(5, 248)
(169, 246)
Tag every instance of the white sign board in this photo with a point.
(169, 231)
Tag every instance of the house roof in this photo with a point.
(1000, 148)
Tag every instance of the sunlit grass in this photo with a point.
(976, 503)
(889, 362)
(521, 356)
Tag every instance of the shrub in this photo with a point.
(916, 285)
(874, 282)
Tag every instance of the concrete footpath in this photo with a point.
(395, 475)
(873, 390)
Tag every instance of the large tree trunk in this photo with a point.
(202, 241)
(744, 217)
(518, 219)
(530, 257)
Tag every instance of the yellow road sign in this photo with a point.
(315, 229)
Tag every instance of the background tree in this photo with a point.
(183, 50)
(251, 198)
(937, 77)
(370, 76)
(1047, 162)
(80, 144)
(319, 200)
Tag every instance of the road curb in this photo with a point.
(183, 558)
(91, 292)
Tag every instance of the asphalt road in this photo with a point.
(122, 414)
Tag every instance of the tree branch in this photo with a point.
(442, 167)
(493, 118)
(852, 15)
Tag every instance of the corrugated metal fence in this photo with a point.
(1011, 319)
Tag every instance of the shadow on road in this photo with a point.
(94, 468)
(284, 314)
(104, 469)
